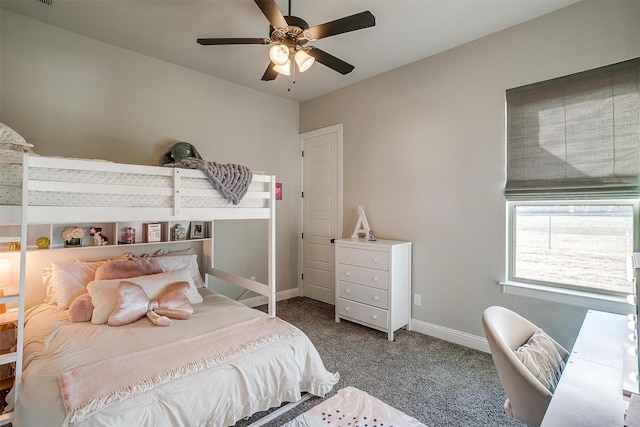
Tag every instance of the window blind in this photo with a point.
(576, 136)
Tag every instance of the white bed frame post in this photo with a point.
(16, 356)
(23, 273)
(272, 247)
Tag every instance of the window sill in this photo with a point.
(588, 300)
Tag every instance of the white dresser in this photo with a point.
(373, 283)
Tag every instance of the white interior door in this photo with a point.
(321, 210)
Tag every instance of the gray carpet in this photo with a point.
(434, 381)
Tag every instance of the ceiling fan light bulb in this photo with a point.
(284, 69)
(279, 54)
(304, 60)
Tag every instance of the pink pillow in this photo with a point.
(123, 269)
(134, 304)
(104, 294)
(81, 309)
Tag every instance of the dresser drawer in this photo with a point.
(363, 313)
(363, 294)
(363, 276)
(364, 258)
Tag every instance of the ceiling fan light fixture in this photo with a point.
(279, 54)
(284, 69)
(304, 60)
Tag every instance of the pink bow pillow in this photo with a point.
(133, 304)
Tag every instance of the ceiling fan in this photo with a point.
(289, 36)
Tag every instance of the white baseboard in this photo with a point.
(451, 335)
(447, 334)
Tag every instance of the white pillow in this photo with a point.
(50, 297)
(104, 295)
(69, 280)
(542, 359)
(172, 262)
(10, 136)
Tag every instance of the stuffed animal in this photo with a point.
(178, 152)
(98, 238)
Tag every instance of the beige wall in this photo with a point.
(423, 144)
(73, 96)
(424, 153)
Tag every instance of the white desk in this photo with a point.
(590, 390)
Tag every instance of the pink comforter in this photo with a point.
(218, 396)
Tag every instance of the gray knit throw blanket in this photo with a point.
(232, 181)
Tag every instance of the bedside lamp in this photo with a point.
(5, 280)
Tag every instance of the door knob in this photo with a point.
(333, 240)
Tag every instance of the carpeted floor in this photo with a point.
(434, 381)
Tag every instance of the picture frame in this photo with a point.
(153, 232)
(197, 230)
(178, 232)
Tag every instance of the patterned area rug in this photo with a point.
(351, 407)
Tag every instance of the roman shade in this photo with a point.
(575, 137)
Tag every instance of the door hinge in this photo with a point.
(302, 276)
(302, 235)
(303, 194)
(302, 153)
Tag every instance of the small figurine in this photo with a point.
(372, 238)
(43, 242)
(98, 238)
(130, 235)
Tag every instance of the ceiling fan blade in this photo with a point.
(273, 14)
(222, 41)
(343, 25)
(330, 61)
(270, 73)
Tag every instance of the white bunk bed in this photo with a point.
(68, 191)
(47, 190)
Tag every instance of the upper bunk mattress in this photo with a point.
(131, 184)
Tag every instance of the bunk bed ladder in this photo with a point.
(11, 315)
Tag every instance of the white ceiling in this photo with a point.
(405, 31)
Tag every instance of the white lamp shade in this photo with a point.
(5, 273)
(284, 69)
(279, 54)
(304, 60)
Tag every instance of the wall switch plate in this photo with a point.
(417, 299)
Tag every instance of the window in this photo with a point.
(573, 180)
(574, 246)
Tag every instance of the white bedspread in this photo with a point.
(218, 396)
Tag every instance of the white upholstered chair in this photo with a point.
(506, 331)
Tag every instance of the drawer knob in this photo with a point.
(375, 260)
(346, 309)
(375, 298)
(375, 280)
(347, 274)
(348, 291)
(374, 317)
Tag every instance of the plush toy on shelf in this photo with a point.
(98, 238)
